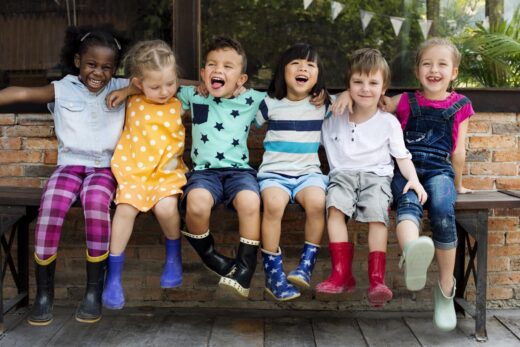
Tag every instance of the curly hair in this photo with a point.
(79, 39)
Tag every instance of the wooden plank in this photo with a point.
(186, 331)
(22, 334)
(337, 332)
(498, 334)
(384, 332)
(287, 332)
(229, 331)
(427, 335)
(511, 323)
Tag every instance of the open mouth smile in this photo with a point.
(217, 82)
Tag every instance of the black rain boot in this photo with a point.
(41, 313)
(89, 310)
(204, 245)
(239, 280)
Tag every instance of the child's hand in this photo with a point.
(343, 101)
(418, 188)
(318, 100)
(389, 104)
(116, 97)
(202, 90)
(462, 190)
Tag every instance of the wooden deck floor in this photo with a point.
(211, 327)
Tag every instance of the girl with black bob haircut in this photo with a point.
(278, 87)
(295, 108)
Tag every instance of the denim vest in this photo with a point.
(429, 130)
(87, 130)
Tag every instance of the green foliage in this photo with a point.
(491, 57)
(267, 27)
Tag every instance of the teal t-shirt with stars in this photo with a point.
(220, 127)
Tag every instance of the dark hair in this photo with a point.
(223, 42)
(79, 39)
(278, 87)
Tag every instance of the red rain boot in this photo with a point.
(341, 279)
(378, 292)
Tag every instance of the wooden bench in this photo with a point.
(19, 207)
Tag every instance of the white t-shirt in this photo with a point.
(367, 146)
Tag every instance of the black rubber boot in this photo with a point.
(239, 280)
(89, 310)
(204, 245)
(41, 313)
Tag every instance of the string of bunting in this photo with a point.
(397, 22)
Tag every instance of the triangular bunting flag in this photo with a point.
(306, 3)
(336, 9)
(397, 23)
(425, 25)
(366, 17)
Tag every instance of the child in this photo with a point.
(220, 156)
(360, 146)
(290, 169)
(435, 122)
(87, 133)
(148, 164)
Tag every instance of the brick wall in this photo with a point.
(28, 155)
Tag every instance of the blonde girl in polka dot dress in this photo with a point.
(147, 163)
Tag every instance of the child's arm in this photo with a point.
(40, 95)
(119, 96)
(343, 101)
(389, 104)
(458, 157)
(408, 171)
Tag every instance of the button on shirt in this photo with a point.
(367, 146)
(87, 130)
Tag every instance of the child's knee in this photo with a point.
(199, 202)
(247, 202)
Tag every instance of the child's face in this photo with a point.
(366, 90)
(222, 73)
(96, 67)
(436, 71)
(300, 76)
(158, 86)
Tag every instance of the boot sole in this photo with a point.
(87, 320)
(298, 282)
(379, 298)
(39, 323)
(281, 299)
(171, 285)
(416, 263)
(233, 286)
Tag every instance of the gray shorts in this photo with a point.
(363, 196)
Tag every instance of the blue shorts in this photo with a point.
(223, 184)
(292, 185)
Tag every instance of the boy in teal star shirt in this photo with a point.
(220, 126)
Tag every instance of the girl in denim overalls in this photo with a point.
(434, 122)
(87, 132)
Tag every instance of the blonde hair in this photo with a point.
(438, 41)
(368, 61)
(152, 55)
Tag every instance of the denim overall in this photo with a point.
(428, 136)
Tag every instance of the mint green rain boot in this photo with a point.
(416, 258)
(444, 316)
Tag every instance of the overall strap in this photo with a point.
(414, 106)
(453, 109)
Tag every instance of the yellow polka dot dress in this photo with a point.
(147, 162)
